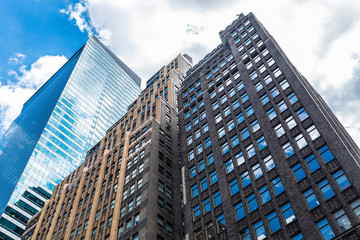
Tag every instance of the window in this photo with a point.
(267, 79)
(282, 106)
(292, 98)
(298, 237)
(221, 132)
(271, 113)
(208, 75)
(235, 141)
(250, 151)
(258, 86)
(231, 92)
(240, 85)
(235, 104)
(299, 172)
(255, 126)
(223, 99)
(194, 191)
(240, 118)
(207, 142)
(273, 222)
(169, 228)
(207, 206)
(215, 105)
(262, 68)
(261, 143)
(199, 149)
(290, 122)
(270, 62)
(264, 194)
(189, 140)
(188, 127)
(264, 99)
(253, 75)
(205, 127)
(160, 221)
(326, 154)
(234, 187)
(257, 171)
(341, 180)
(249, 111)
(213, 177)
(302, 114)
(279, 130)
(230, 124)
(278, 186)
(325, 229)
(245, 179)
(277, 72)
(326, 189)
(240, 158)
(240, 213)
(311, 199)
(356, 207)
(252, 203)
(191, 155)
(217, 198)
(260, 230)
(168, 192)
(210, 159)
(221, 222)
(245, 133)
(204, 184)
(229, 166)
(342, 220)
(313, 132)
(249, 65)
(312, 163)
(138, 200)
(269, 163)
(284, 84)
(288, 149)
(161, 185)
(288, 213)
(203, 115)
(244, 97)
(225, 148)
(245, 234)
(218, 118)
(196, 211)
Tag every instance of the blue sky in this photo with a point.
(320, 37)
(35, 28)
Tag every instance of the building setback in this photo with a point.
(263, 156)
(58, 124)
(129, 185)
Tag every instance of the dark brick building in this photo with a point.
(243, 147)
(263, 156)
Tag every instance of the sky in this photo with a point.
(320, 37)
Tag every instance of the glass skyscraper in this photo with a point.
(57, 125)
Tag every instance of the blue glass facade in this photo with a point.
(57, 125)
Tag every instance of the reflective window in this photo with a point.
(342, 220)
(288, 213)
(356, 207)
(207, 206)
(240, 213)
(257, 171)
(311, 199)
(325, 229)
(288, 149)
(299, 172)
(326, 189)
(217, 198)
(260, 230)
(264, 194)
(234, 187)
(278, 186)
(245, 179)
(326, 154)
(312, 163)
(273, 222)
(341, 180)
(252, 203)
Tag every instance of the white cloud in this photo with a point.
(14, 94)
(319, 37)
(16, 58)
